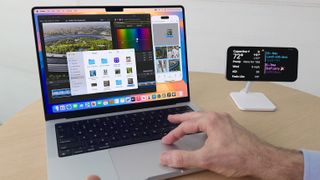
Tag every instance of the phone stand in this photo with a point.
(252, 101)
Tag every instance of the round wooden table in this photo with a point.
(295, 124)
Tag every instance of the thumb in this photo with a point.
(179, 159)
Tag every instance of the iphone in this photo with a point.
(167, 48)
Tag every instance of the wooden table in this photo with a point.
(295, 124)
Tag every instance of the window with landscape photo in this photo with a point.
(63, 37)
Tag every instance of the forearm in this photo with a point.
(280, 164)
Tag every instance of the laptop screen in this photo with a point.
(98, 58)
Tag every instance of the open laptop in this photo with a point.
(109, 78)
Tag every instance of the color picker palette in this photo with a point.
(137, 38)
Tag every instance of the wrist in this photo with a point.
(278, 163)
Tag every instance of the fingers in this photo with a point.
(179, 159)
(93, 177)
(186, 127)
(178, 118)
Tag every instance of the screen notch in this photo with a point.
(114, 9)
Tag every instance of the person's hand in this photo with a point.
(93, 177)
(230, 149)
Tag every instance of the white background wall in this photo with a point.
(212, 26)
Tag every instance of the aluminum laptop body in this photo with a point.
(109, 77)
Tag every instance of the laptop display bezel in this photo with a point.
(103, 110)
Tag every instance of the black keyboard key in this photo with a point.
(63, 153)
(105, 145)
(66, 140)
(68, 146)
(78, 150)
(90, 148)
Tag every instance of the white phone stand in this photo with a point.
(252, 101)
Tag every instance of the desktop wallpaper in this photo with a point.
(164, 90)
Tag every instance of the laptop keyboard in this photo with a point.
(102, 133)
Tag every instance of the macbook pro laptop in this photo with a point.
(110, 76)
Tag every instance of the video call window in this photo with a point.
(74, 72)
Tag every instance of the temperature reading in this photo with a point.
(237, 56)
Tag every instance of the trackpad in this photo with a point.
(142, 161)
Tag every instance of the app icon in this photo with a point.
(75, 106)
(133, 99)
(105, 102)
(105, 72)
(128, 99)
(94, 84)
(93, 73)
(169, 94)
(117, 71)
(116, 60)
(164, 95)
(68, 106)
(93, 104)
(128, 59)
(55, 108)
(118, 82)
(116, 101)
(106, 83)
(180, 93)
(138, 98)
(91, 61)
(159, 96)
(154, 96)
(104, 61)
(129, 70)
(99, 103)
(130, 82)
(111, 101)
(173, 94)
(88, 105)
(81, 105)
(62, 107)
(122, 100)
(169, 33)
(143, 98)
